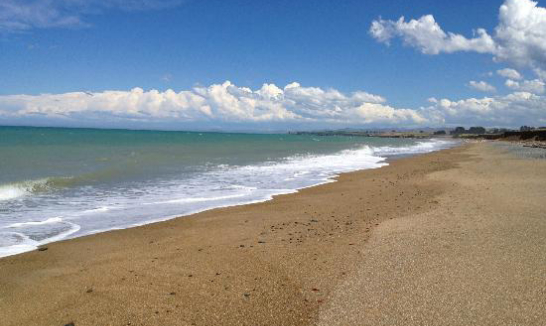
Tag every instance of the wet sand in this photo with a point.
(455, 237)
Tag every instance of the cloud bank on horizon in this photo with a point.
(227, 104)
(519, 41)
(216, 104)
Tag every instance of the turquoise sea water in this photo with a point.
(58, 183)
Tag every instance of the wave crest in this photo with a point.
(24, 188)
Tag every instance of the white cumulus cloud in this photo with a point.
(509, 73)
(519, 38)
(535, 86)
(481, 86)
(511, 110)
(227, 106)
(425, 34)
(215, 105)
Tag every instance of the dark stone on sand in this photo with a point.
(315, 221)
(172, 293)
(242, 246)
(70, 324)
(261, 241)
(246, 295)
(43, 248)
(89, 291)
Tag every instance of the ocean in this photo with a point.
(59, 183)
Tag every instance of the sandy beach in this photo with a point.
(456, 237)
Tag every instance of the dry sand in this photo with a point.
(456, 237)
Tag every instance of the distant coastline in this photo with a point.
(370, 133)
(529, 137)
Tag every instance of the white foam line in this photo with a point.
(23, 224)
(198, 199)
(423, 147)
(15, 249)
(96, 210)
(75, 228)
(29, 244)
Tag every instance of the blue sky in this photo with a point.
(153, 45)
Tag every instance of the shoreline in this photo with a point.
(386, 159)
(280, 262)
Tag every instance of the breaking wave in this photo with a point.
(70, 207)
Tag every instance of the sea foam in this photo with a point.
(89, 209)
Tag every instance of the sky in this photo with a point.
(272, 65)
